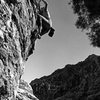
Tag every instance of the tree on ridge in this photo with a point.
(88, 12)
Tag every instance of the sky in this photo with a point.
(69, 45)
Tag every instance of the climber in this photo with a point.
(45, 20)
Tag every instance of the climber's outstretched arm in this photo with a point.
(43, 18)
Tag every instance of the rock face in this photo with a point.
(25, 92)
(73, 82)
(18, 32)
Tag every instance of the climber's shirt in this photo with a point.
(45, 27)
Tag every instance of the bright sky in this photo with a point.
(68, 46)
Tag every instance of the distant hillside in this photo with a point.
(73, 82)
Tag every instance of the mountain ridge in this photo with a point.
(73, 82)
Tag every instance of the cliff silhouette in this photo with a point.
(73, 82)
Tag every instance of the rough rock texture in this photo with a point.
(18, 32)
(25, 91)
(73, 82)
